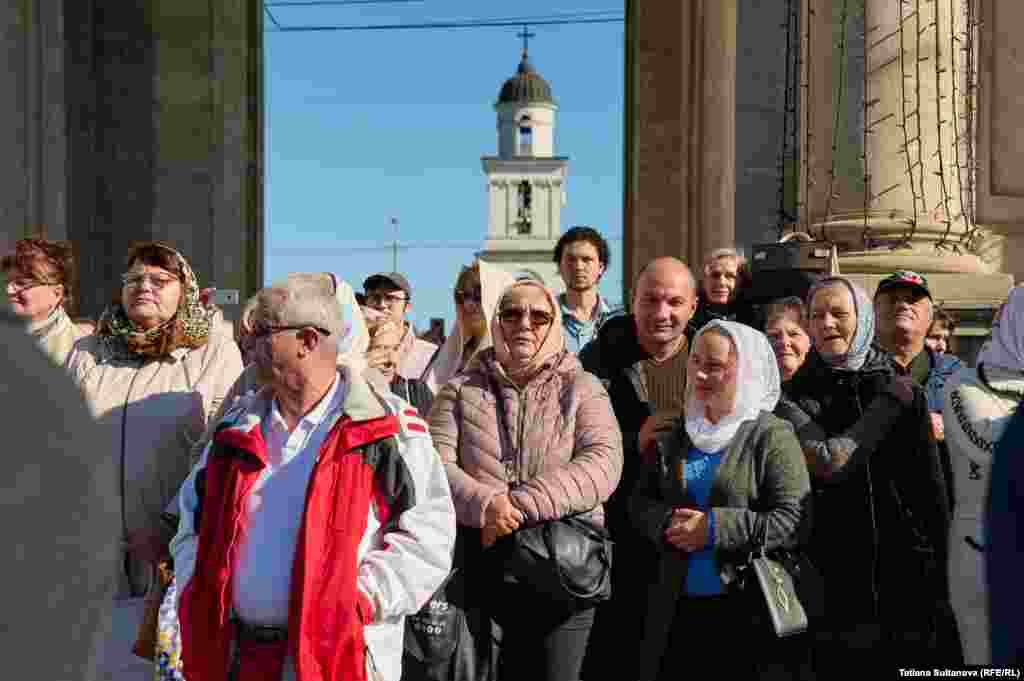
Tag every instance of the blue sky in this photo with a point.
(364, 126)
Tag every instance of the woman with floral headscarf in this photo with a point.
(979, 405)
(157, 368)
(727, 473)
(881, 507)
(527, 436)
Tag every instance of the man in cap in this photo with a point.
(904, 312)
(390, 294)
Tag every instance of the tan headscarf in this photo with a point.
(550, 348)
(446, 363)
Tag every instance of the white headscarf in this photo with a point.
(757, 388)
(1006, 346)
(353, 344)
(493, 282)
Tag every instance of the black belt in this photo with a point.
(259, 632)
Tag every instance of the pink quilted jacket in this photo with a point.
(562, 441)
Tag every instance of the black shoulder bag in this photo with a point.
(785, 583)
(567, 560)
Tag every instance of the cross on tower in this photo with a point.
(525, 35)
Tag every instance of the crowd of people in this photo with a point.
(294, 494)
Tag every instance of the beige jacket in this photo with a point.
(151, 412)
(561, 424)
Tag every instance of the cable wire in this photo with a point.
(448, 25)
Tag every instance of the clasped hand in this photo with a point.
(687, 530)
(502, 517)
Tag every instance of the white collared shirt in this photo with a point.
(275, 506)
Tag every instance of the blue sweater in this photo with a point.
(699, 471)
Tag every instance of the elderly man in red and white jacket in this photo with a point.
(318, 517)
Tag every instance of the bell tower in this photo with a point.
(525, 181)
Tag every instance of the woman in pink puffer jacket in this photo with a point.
(527, 436)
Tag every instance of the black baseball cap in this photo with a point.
(388, 278)
(904, 278)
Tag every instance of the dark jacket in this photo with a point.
(762, 478)
(414, 391)
(881, 503)
(1005, 545)
(739, 310)
(616, 358)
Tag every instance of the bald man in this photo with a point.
(641, 360)
(59, 517)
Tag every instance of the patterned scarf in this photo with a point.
(121, 338)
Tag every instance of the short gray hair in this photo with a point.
(302, 299)
(720, 253)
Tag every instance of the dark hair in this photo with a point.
(154, 254)
(50, 261)
(780, 307)
(947, 318)
(465, 275)
(588, 234)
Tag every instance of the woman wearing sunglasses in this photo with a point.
(476, 294)
(527, 437)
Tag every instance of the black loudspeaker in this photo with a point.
(787, 268)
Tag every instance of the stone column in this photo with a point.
(891, 121)
(890, 148)
(680, 131)
(133, 122)
(1000, 172)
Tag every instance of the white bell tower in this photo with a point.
(525, 181)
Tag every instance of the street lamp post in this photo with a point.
(394, 249)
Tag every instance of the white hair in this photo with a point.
(303, 298)
(722, 253)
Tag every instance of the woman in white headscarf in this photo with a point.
(979, 404)
(477, 290)
(726, 472)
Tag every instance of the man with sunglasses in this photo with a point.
(318, 517)
(390, 294)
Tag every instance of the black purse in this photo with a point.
(452, 637)
(568, 561)
(784, 585)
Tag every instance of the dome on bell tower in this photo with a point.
(526, 87)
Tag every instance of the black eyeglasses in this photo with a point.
(375, 299)
(515, 315)
(261, 330)
(470, 296)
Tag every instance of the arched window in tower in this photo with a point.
(525, 196)
(525, 136)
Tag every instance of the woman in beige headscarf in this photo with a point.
(476, 295)
(527, 436)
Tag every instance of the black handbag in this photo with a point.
(452, 638)
(784, 585)
(568, 561)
